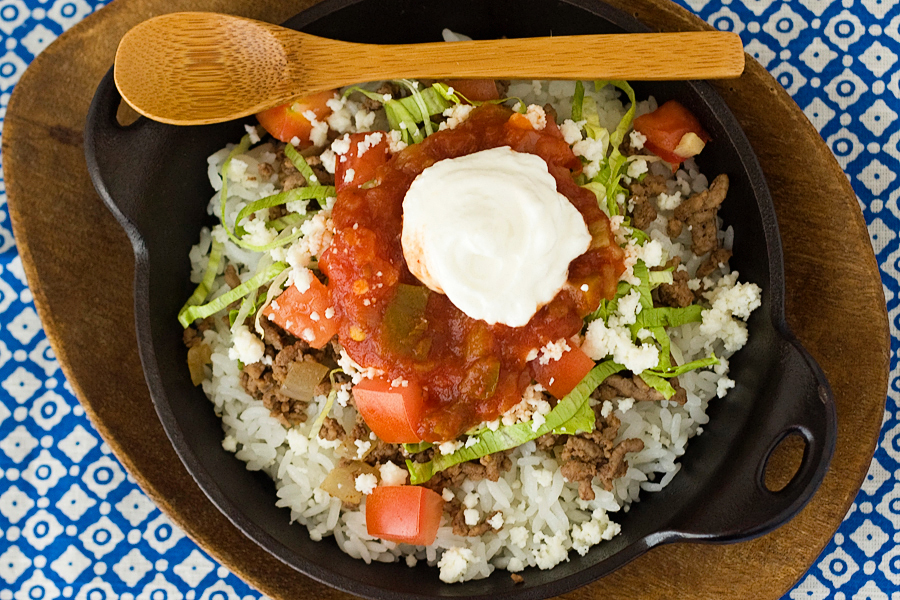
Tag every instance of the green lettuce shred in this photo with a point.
(672, 371)
(567, 416)
(209, 276)
(416, 448)
(300, 164)
(189, 313)
(578, 101)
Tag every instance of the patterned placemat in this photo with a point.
(74, 524)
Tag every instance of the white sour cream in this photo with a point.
(491, 232)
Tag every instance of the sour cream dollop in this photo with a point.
(491, 232)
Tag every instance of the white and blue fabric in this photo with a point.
(73, 523)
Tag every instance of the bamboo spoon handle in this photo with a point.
(200, 68)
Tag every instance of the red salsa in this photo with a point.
(469, 371)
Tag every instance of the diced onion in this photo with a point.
(302, 379)
(197, 357)
(341, 481)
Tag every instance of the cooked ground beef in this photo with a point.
(619, 386)
(264, 382)
(487, 467)
(642, 192)
(331, 430)
(699, 213)
(265, 169)
(318, 169)
(589, 455)
(231, 276)
(717, 257)
(458, 521)
(677, 293)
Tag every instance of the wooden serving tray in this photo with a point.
(80, 268)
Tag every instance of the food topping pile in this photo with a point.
(463, 321)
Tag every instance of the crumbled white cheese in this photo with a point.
(456, 114)
(395, 141)
(318, 133)
(496, 522)
(602, 341)
(636, 168)
(349, 174)
(328, 158)
(257, 233)
(571, 131)
(637, 139)
(341, 145)
(454, 563)
(471, 500)
(447, 494)
(536, 116)
(450, 447)
(246, 348)
(365, 483)
(553, 351)
(532, 405)
(370, 141)
(598, 529)
(253, 132)
(471, 516)
(626, 404)
(518, 536)
(549, 551)
(628, 307)
(669, 202)
(302, 279)
(732, 303)
(391, 474)
(606, 409)
(362, 448)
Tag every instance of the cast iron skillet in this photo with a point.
(153, 178)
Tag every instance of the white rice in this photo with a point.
(543, 519)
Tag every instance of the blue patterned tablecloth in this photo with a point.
(73, 524)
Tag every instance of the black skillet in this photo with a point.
(153, 178)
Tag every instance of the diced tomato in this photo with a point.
(390, 412)
(664, 128)
(288, 121)
(354, 168)
(561, 376)
(476, 90)
(305, 315)
(405, 514)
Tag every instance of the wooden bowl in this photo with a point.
(153, 177)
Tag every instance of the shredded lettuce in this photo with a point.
(578, 101)
(613, 170)
(300, 164)
(416, 448)
(566, 417)
(658, 383)
(209, 276)
(405, 114)
(668, 372)
(189, 313)
(242, 147)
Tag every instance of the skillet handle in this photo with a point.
(742, 507)
(107, 149)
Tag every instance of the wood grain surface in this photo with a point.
(250, 66)
(80, 269)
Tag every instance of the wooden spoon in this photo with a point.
(195, 68)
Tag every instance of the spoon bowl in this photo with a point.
(198, 68)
